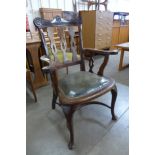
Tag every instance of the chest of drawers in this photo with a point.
(97, 29)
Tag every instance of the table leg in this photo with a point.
(121, 59)
(121, 66)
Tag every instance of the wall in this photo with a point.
(32, 7)
(118, 5)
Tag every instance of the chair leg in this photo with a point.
(114, 96)
(28, 77)
(54, 100)
(68, 111)
(33, 91)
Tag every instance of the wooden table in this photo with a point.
(32, 46)
(123, 47)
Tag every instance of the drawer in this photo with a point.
(99, 14)
(107, 25)
(104, 16)
(102, 27)
(99, 19)
(103, 36)
(100, 44)
(99, 35)
(103, 41)
(102, 31)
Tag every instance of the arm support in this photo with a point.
(89, 53)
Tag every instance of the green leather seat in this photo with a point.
(81, 84)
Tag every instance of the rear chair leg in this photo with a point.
(54, 100)
(114, 96)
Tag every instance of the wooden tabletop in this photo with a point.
(125, 45)
(30, 41)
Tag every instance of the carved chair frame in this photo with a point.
(68, 106)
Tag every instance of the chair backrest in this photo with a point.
(53, 35)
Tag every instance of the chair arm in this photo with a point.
(94, 51)
(45, 58)
(48, 63)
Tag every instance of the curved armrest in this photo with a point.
(48, 63)
(101, 52)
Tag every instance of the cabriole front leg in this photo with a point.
(68, 111)
(114, 96)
